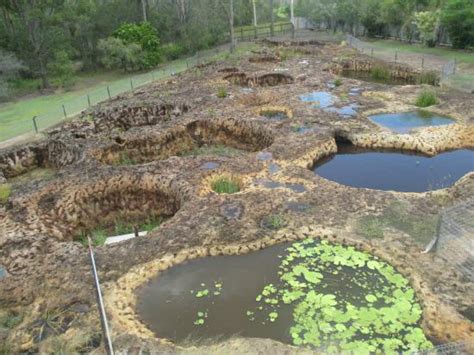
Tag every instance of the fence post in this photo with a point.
(187, 64)
(131, 83)
(454, 67)
(372, 52)
(255, 32)
(88, 100)
(241, 33)
(34, 124)
(64, 111)
(108, 91)
(422, 62)
(293, 31)
(396, 56)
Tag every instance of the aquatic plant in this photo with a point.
(380, 73)
(5, 191)
(338, 82)
(426, 98)
(371, 227)
(225, 185)
(385, 319)
(427, 77)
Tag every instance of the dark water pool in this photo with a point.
(264, 294)
(404, 122)
(390, 170)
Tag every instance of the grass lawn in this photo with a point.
(445, 53)
(16, 117)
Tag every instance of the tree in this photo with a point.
(61, 69)
(428, 25)
(458, 17)
(118, 55)
(9, 68)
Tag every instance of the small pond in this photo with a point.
(404, 122)
(394, 170)
(308, 293)
(326, 101)
(368, 77)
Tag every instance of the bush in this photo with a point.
(380, 73)
(225, 185)
(5, 191)
(222, 92)
(61, 68)
(428, 77)
(173, 51)
(118, 55)
(426, 98)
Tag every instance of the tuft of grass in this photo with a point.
(98, 237)
(225, 185)
(5, 191)
(9, 320)
(371, 227)
(379, 72)
(222, 93)
(338, 82)
(428, 77)
(426, 98)
(125, 159)
(274, 221)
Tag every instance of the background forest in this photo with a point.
(47, 43)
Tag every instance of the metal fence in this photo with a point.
(249, 33)
(58, 111)
(448, 70)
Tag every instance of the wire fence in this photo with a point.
(448, 70)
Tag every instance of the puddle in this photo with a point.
(273, 168)
(270, 184)
(209, 166)
(3, 272)
(311, 293)
(264, 156)
(393, 170)
(326, 101)
(367, 76)
(354, 91)
(404, 122)
(345, 111)
(321, 99)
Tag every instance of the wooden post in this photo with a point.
(108, 92)
(131, 83)
(35, 124)
(88, 100)
(64, 111)
(422, 62)
(271, 19)
(255, 32)
(396, 56)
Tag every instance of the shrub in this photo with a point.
(426, 98)
(173, 51)
(428, 77)
(338, 82)
(222, 92)
(380, 73)
(274, 222)
(5, 191)
(225, 185)
(115, 54)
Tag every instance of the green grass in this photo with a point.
(380, 73)
(426, 98)
(16, 117)
(35, 174)
(222, 93)
(445, 53)
(420, 226)
(98, 238)
(338, 82)
(225, 185)
(428, 77)
(274, 221)
(5, 191)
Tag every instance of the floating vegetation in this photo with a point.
(380, 73)
(326, 297)
(384, 319)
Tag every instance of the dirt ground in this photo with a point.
(128, 158)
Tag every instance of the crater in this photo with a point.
(404, 122)
(306, 293)
(122, 200)
(394, 170)
(222, 137)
